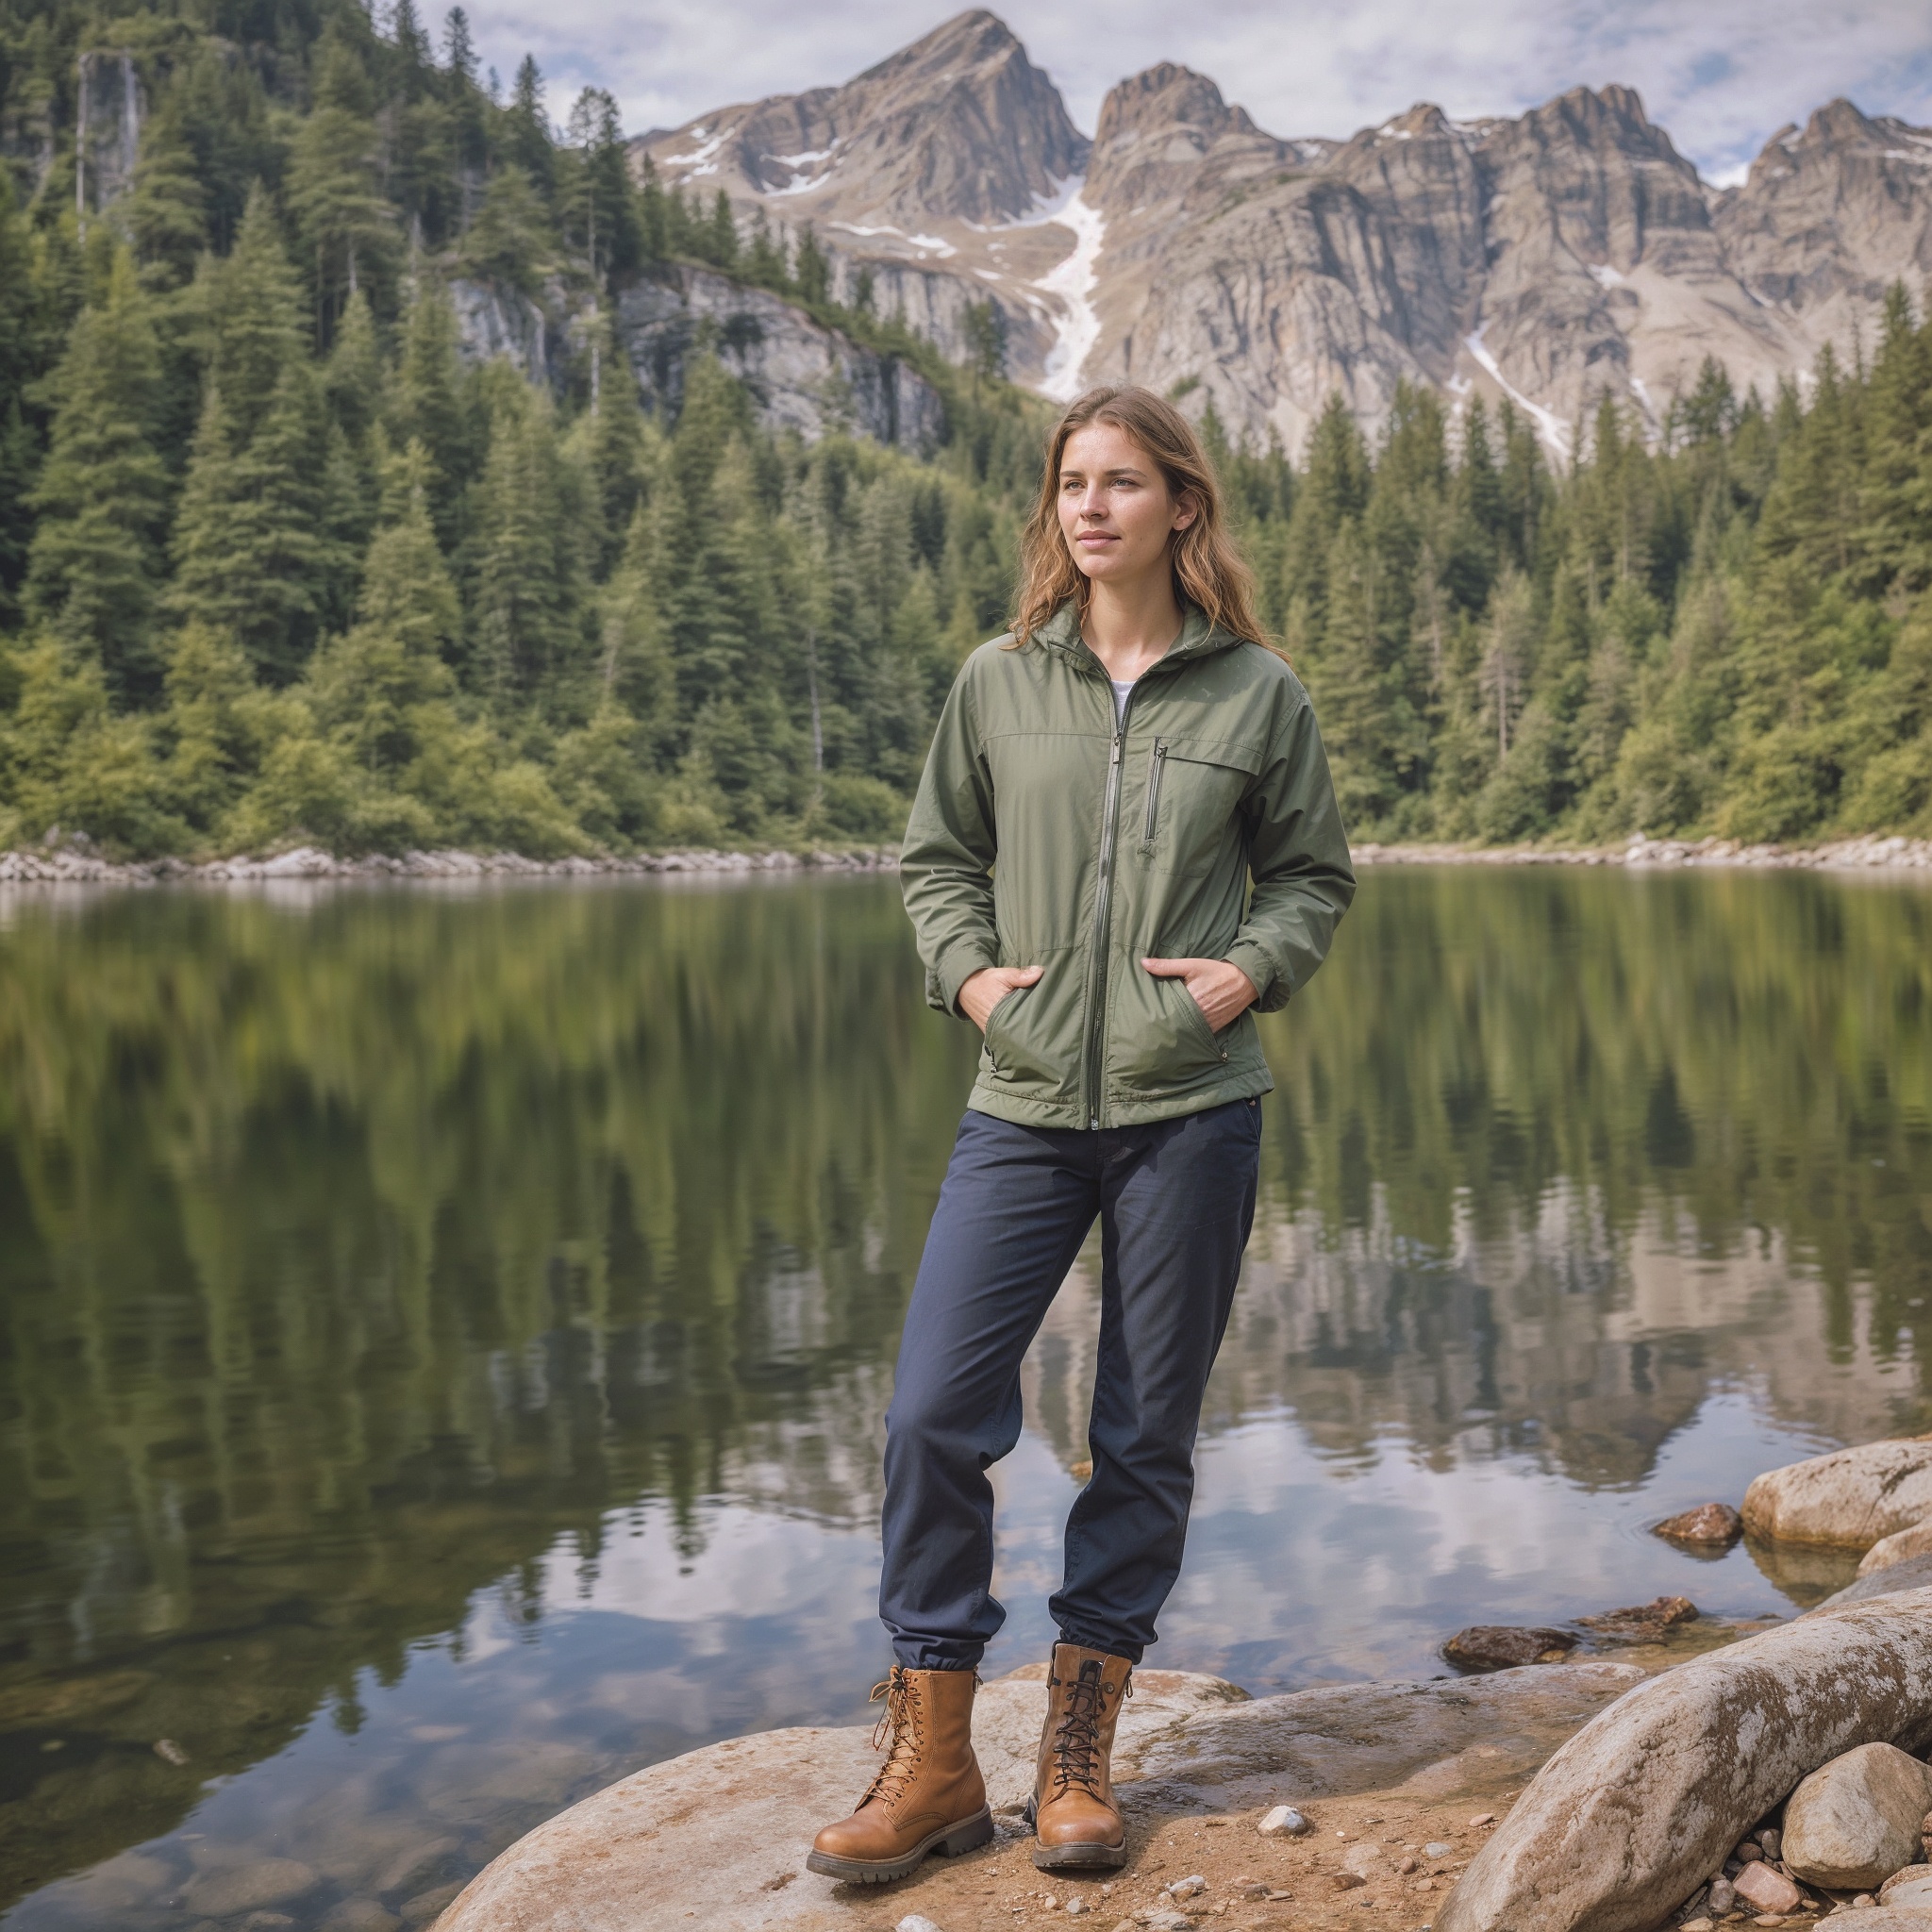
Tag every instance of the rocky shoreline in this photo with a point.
(76, 863)
(1774, 1780)
(67, 865)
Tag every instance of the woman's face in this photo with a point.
(1116, 511)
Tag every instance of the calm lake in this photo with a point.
(444, 1335)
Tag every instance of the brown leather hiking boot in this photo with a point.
(1074, 1812)
(928, 1795)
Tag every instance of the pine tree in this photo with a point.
(430, 402)
(252, 553)
(102, 496)
(347, 229)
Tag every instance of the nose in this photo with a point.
(1094, 501)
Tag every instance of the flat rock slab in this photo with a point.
(1847, 1499)
(1641, 1806)
(719, 1836)
(1892, 1919)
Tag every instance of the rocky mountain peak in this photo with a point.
(960, 126)
(1166, 97)
(1546, 258)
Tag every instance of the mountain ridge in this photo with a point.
(1546, 257)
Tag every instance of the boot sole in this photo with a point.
(1050, 1858)
(949, 1842)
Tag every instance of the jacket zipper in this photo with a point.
(1102, 911)
(1154, 793)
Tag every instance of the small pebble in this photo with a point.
(1186, 1887)
(1772, 1840)
(1482, 1818)
(1284, 1821)
(169, 1752)
(1723, 1895)
(1746, 1853)
(1863, 1899)
(1406, 1865)
(1346, 1881)
(1698, 1926)
(1436, 1849)
(916, 1921)
(1078, 1906)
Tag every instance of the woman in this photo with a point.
(1101, 785)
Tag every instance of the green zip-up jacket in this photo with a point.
(1046, 834)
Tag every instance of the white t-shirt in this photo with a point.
(1120, 689)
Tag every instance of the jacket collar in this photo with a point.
(1198, 639)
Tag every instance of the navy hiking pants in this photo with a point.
(1175, 1200)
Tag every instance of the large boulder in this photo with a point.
(729, 1825)
(1848, 1500)
(1641, 1806)
(1854, 1821)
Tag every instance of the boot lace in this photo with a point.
(1076, 1745)
(900, 1722)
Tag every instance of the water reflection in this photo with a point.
(443, 1337)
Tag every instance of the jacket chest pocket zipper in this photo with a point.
(1157, 766)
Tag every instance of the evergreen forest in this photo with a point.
(284, 560)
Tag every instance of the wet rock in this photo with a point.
(1506, 1646)
(1645, 1622)
(1850, 1499)
(1888, 1550)
(1911, 1572)
(1282, 1821)
(1854, 1821)
(169, 1752)
(1638, 1809)
(359, 1915)
(424, 1906)
(1710, 1525)
(1765, 1887)
(1418, 1737)
(247, 1887)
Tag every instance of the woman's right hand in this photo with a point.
(981, 991)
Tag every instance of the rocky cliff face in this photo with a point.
(1547, 258)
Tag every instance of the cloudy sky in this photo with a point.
(1721, 75)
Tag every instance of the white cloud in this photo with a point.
(1722, 75)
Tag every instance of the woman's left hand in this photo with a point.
(1224, 992)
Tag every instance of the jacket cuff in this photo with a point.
(954, 969)
(1271, 986)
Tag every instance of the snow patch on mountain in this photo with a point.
(1070, 282)
(1555, 432)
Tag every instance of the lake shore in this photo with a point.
(70, 866)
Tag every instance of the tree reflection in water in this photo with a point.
(392, 1282)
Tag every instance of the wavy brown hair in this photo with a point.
(1209, 571)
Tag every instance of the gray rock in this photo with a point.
(359, 1915)
(1642, 1805)
(1419, 1738)
(1849, 1499)
(1723, 1895)
(1913, 1572)
(1909, 1886)
(1282, 1821)
(247, 1887)
(1854, 1821)
(1895, 1548)
(1895, 1919)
